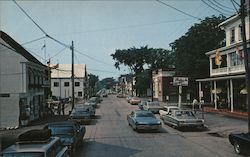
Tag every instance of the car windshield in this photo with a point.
(184, 114)
(25, 154)
(57, 130)
(145, 114)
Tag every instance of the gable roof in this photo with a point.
(18, 48)
(64, 71)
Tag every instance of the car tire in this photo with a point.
(237, 148)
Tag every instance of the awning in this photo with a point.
(220, 78)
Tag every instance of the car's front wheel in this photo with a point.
(237, 147)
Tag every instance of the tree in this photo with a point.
(93, 79)
(190, 49)
(139, 59)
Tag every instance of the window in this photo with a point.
(66, 84)
(240, 32)
(56, 84)
(232, 36)
(77, 84)
(79, 93)
(235, 59)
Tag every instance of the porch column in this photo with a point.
(228, 94)
(211, 93)
(215, 96)
(200, 92)
(231, 95)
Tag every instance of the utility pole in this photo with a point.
(72, 77)
(246, 57)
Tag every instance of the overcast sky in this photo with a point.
(98, 28)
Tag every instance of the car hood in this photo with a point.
(147, 120)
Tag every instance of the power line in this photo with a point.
(236, 3)
(223, 5)
(58, 52)
(214, 8)
(235, 6)
(92, 58)
(124, 27)
(221, 8)
(178, 10)
(28, 42)
(29, 17)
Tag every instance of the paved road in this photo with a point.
(109, 135)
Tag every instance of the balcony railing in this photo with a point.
(228, 70)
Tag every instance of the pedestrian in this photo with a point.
(195, 102)
(63, 105)
(59, 108)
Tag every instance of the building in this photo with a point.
(22, 82)
(171, 88)
(126, 83)
(61, 84)
(225, 88)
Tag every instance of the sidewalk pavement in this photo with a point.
(226, 112)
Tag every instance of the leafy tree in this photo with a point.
(93, 79)
(139, 58)
(190, 49)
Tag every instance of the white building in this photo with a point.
(22, 79)
(226, 85)
(61, 84)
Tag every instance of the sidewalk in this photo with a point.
(226, 112)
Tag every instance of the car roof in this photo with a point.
(141, 111)
(63, 123)
(171, 107)
(34, 146)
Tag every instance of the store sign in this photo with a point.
(180, 81)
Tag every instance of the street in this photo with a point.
(109, 135)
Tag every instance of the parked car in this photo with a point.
(80, 115)
(95, 99)
(135, 100)
(36, 143)
(167, 110)
(143, 102)
(152, 106)
(119, 95)
(143, 120)
(89, 107)
(241, 142)
(70, 133)
(182, 118)
(92, 103)
(128, 98)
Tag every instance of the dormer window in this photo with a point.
(232, 36)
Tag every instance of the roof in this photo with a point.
(220, 78)
(64, 71)
(18, 48)
(31, 147)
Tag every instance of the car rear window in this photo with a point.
(55, 130)
(145, 114)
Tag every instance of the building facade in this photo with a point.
(22, 84)
(226, 88)
(61, 84)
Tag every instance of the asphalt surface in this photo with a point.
(110, 136)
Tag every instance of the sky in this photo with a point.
(99, 27)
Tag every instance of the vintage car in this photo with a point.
(241, 142)
(70, 133)
(152, 106)
(36, 143)
(89, 107)
(92, 103)
(80, 115)
(167, 110)
(143, 102)
(143, 120)
(134, 100)
(128, 98)
(182, 118)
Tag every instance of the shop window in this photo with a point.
(66, 84)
